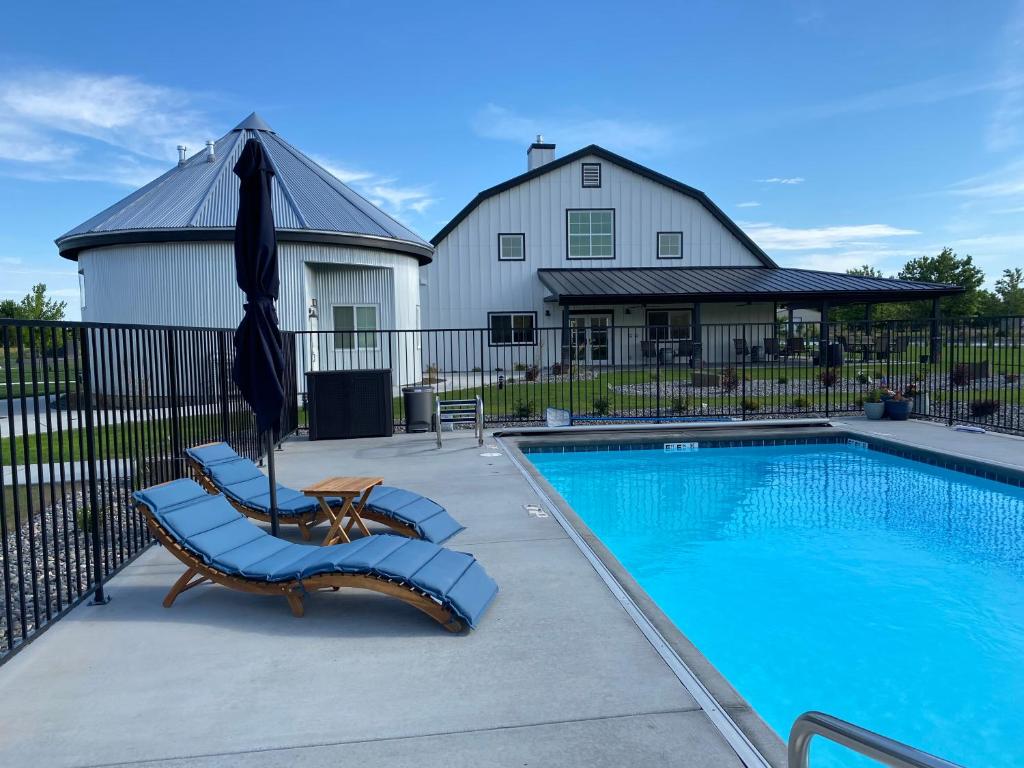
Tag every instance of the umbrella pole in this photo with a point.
(273, 482)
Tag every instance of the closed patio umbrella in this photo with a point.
(259, 364)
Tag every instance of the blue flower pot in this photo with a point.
(898, 410)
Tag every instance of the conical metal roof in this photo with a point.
(198, 200)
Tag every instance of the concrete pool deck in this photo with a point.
(557, 673)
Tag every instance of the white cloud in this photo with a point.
(382, 191)
(749, 204)
(82, 126)
(1004, 182)
(775, 238)
(622, 135)
(782, 180)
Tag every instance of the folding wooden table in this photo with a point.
(348, 489)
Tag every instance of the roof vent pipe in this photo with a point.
(210, 155)
(182, 149)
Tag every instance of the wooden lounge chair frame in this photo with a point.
(306, 521)
(197, 572)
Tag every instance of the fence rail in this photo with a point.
(88, 414)
(958, 371)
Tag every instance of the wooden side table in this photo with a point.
(347, 488)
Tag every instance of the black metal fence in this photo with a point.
(955, 370)
(91, 412)
(88, 414)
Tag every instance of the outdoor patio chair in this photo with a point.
(772, 350)
(217, 544)
(220, 470)
(795, 345)
(648, 348)
(685, 349)
(741, 348)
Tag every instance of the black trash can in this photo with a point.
(419, 408)
(755, 354)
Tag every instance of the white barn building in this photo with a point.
(164, 255)
(593, 244)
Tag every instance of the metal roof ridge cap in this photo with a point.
(205, 197)
(285, 190)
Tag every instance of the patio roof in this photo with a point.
(630, 285)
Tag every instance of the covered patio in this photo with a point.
(685, 312)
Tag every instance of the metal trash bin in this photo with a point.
(755, 354)
(419, 408)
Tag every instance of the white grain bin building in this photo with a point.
(164, 255)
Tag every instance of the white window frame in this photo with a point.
(590, 234)
(356, 331)
(532, 342)
(512, 236)
(675, 256)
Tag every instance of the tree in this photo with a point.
(854, 313)
(947, 267)
(35, 306)
(1010, 290)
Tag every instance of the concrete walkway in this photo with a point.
(557, 674)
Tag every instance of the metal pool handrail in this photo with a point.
(868, 743)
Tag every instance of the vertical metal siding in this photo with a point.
(466, 280)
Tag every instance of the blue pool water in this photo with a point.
(879, 589)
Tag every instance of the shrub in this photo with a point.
(519, 367)
(532, 373)
(828, 377)
(750, 404)
(863, 378)
(987, 407)
(801, 402)
(783, 380)
(1011, 378)
(680, 404)
(873, 396)
(477, 369)
(960, 375)
(557, 369)
(602, 406)
(523, 409)
(728, 380)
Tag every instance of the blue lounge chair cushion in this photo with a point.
(214, 453)
(243, 481)
(212, 530)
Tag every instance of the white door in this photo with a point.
(591, 338)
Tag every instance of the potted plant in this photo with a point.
(898, 407)
(874, 407)
(920, 400)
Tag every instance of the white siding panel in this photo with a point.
(466, 280)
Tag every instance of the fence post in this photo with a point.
(174, 404)
(223, 371)
(99, 596)
(483, 379)
(950, 386)
(657, 381)
(743, 378)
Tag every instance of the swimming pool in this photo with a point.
(879, 589)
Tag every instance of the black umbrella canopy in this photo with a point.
(259, 349)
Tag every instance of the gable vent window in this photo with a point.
(591, 174)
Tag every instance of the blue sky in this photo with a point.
(835, 133)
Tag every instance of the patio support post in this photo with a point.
(869, 316)
(566, 341)
(789, 322)
(698, 338)
(823, 336)
(936, 346)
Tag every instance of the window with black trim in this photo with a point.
(511, 246)
(590, 234)
(512, 328)
(670, 245)
(669, 324)
(591, 174)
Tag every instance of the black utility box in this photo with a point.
(349, 404)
